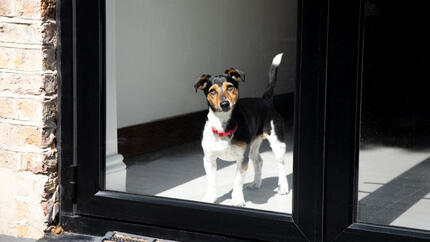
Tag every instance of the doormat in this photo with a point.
(114, 236)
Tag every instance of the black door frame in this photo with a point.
(85, 207)
(327, 104)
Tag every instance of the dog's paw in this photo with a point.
(238, 203)
(283, 190)
(254, 185)
(238, 200)
(209, 197)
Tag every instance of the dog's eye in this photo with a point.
(229, 87)
(213, 92)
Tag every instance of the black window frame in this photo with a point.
(326, 134)
(344, 81)
(85, 207)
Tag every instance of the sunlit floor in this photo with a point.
(178, 172)
(394, 187)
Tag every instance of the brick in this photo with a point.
(48, 9)
(39, 163)
(10, 159)
(49, 33)
(34, 9)
(28, 109)
(7, 201)
(50, 83)
(21, 59)
(21, 210)
(6, 107)
(49, 58)
(21, 83)
(30, 135)
(29, 8)
(20, 8)
(21, 109)
(27, 59)
(33, 162)
(21, 33)
(21, 136)
(8, 8)
(49, 112)
(22, 230)
(50, 187)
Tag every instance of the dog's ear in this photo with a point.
(235, 74)
(202, 82)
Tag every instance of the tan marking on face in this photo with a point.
(232, 95)
(214, 100)
(265, 134)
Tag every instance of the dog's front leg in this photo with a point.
(237, 194)
(210, 169)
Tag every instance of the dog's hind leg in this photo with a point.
(210, 169)
(257, 161)
(279, 150)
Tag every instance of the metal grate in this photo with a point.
(125, 237)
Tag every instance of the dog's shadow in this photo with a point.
(268, 189)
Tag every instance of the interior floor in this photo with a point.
(394, 186)
(178, 172)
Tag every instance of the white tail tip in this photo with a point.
(277, 60)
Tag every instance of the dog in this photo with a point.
(235, 129)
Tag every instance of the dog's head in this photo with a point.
(221, 91)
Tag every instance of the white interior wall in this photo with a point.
(163, 46)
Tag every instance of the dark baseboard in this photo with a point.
(149, 137)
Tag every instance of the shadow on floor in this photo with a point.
(387, 203)
(262, 195)
(152, 173)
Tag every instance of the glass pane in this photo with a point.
(394, 180)
(161, 111)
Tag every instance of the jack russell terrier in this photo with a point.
(235, 129)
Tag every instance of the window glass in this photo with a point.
(394, 163)
(172, 131)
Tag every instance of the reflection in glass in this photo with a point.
(394, 164)
(155, 53)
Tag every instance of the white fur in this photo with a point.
(220, 147)
(279, 150)
(277, 59)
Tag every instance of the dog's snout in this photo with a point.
(225, 104)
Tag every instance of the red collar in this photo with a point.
(224, 133)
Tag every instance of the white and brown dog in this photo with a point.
(236, 127)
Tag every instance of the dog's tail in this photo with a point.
(273, 71)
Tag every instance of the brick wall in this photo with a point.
(28, 107)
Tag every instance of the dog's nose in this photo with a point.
(224, 104)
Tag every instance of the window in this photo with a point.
(155, 53)
(394, 172)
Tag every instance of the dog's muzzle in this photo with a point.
(225, 106)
